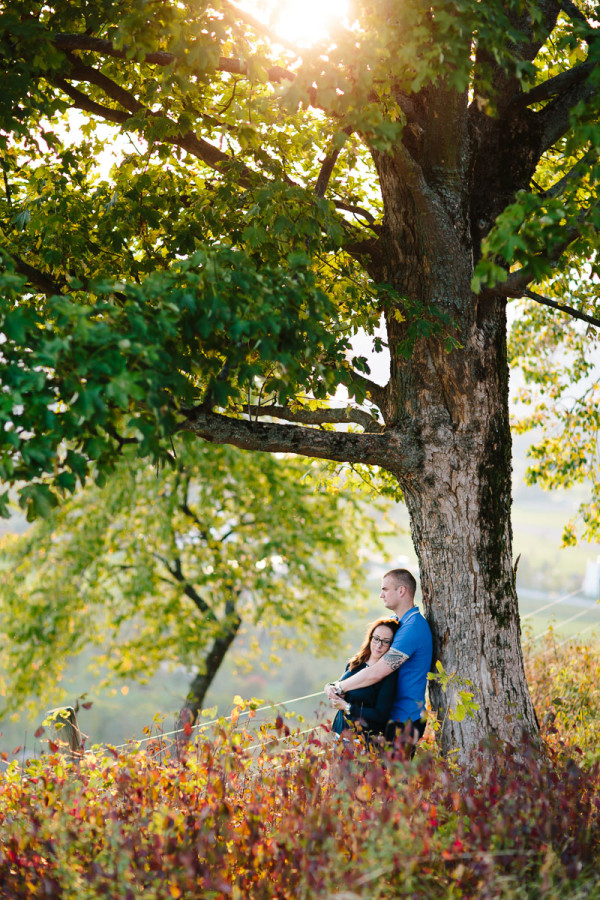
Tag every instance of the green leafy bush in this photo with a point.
(565, 683)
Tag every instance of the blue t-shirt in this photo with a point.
(413, 638)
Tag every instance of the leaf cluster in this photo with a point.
(563, 679)
(155, 565)
(559, 400)
(88, 378)
(220, 250)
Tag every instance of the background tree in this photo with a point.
(419, 168)
(166, 567)
(561, 398)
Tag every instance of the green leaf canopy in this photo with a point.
(156, 565)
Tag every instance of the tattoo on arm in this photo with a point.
(395, 658)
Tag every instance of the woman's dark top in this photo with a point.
(369, 706)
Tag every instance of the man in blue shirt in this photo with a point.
(410, 654)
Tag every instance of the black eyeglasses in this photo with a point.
(383, 642)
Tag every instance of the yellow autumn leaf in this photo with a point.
(363, 793)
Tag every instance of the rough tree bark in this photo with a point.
(459, 503)
(203, 680)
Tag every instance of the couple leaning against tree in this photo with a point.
(383, 688)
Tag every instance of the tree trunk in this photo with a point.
(203, 680)
(446, 437)
(459, 503)
(454, 407)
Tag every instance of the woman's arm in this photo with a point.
(392, 660)
(379, 714)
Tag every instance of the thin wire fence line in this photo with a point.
(202, 725)
(548, 605)
(579, 633)
(262, 745)
(278, 740)
(570, 638)
(271, 706)
(564, 622)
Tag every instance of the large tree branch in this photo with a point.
(328, 166)
(580, 168)
(518, 281)
(322, 184)
(81, 72)
(213, 157)
(553, 87)
(565, 80)
(86, 104)
(569, 310)
(69, 42)
(52, 286)
(592, 33)
(44, 283)
(371, 449)
(533, 36)
(198, 147)
(318, 416)
(377, 393)
(360, 248)
(574, 86)
(187, 510)
(211, 663)
(541, 130)
(240, 67)
(84, 42)
(554, 120)
(357, 211)
(175, 569)
(414, 112)
(189, 141)
(537, 132)
(533, 133)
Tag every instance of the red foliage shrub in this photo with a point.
(306, 821)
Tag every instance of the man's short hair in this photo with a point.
(404, 577)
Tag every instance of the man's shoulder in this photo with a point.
(414, 632)
(415, 619)
(422, 625)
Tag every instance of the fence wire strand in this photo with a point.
(282, 703)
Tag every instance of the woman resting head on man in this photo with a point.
(368, 709)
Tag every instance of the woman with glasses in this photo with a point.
(368, 708)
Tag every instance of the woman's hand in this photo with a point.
(333, 689)
(338, 702)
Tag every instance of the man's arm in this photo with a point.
(392, 660)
